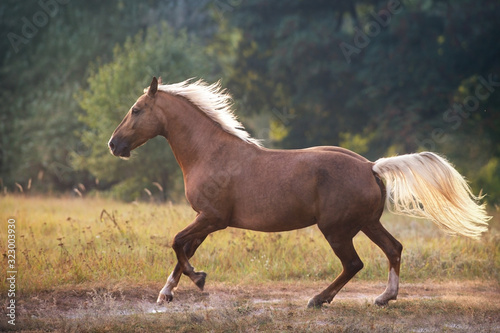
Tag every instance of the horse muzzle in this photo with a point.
(119, 147)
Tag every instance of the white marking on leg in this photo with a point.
(391, 292)
(169, 286)
(166, 292)
(393, 284)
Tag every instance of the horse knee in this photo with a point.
(177, 244)
(181, 246)
(354, 266)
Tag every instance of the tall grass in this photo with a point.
(72, 241)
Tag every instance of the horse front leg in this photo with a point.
(166, 293)
(185, 244)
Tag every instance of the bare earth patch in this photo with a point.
(468, 306)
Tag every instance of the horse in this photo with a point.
(231, 180)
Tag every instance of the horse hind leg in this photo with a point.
(392, 249)
(351, 263)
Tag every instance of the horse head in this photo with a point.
(140, 124)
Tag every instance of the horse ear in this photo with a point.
(160, 82)
(153, 87)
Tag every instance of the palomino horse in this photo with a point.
(231, 181)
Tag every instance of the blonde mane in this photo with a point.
(212, 100)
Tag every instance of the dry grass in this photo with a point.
(74, 241)
(269, 306)
(85, 265)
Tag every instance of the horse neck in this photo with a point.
(192, 135)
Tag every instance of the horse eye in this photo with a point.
(135, 111)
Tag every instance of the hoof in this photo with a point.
(382, 301)
(315, 303)
(199, 280)
(162, 298)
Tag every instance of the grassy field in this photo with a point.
(67, 244)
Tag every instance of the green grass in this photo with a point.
(68, 241)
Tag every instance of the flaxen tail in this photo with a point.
(427, 185)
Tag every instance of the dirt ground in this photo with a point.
(470, 306)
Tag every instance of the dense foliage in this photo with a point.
(378, 77)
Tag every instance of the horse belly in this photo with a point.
(275, 206)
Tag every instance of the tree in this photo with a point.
(39, 77)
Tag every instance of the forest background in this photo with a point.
(378, 77)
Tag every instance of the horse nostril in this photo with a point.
(111, 145)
